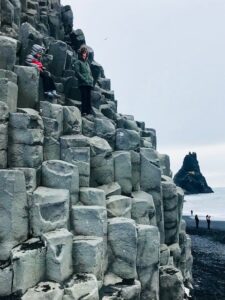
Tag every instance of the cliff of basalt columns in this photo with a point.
(88, 208)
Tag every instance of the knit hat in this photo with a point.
(37, 49)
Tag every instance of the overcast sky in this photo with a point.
(166, 62)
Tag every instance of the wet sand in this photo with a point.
(208, 249)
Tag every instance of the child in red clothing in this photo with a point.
(34, 59)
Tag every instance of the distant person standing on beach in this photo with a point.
(192, 212)
(208, 220)
(196, 221)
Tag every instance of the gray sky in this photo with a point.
(166, 62)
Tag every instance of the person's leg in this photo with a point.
(47, 81)
(83, 93)
(89, 88)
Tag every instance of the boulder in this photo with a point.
(164, 255)
(148, 245)
(6, 277)
(171, 284)
(111, 189)
(28, 261)
(88, 255)
(143, 208)
(49, 210)
(8, 50)
(135, 170)
(13, 211)
(51, 148)
(118, 206)
(61, 175)
(28, 86)
(8, 95)
(127, 139)
(32, 178)
(58, 49)
(4, 111)
(92, 196)
(44, 291)
(105, 129)
(81, 286)
(122, 247)
(72, 123)
(123, 171)
(59, 255)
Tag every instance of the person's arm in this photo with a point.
(76, 66)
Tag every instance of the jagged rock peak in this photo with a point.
(190, 178)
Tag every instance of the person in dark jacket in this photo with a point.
(85, 79)
(208, 220)
(196, 221)
(34, 60)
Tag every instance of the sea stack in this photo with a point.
(190, 178)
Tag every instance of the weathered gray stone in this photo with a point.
(88, 255)
(13, 211)
(89, 220)
(3, 136)
(6, 276)
(186, 258)
(118, 206)
(28, 261)
(175, 252)
(51, 149)
(123, 171)
(11, 76)
(121, 291)
(51, 128)
(164, 161)
(80, 157)
(143, 208)
(53, 111)
(8, 94)
(3, 159)
(72, 123)
(31, 178)
(122, 247)
(124, 123)
(150, 172)
(4, 112)
(71, 141)
(21, 155)
(88, 127)
(92, 196)
(105, 129)
(171, 284)
(28, 37)
(44, 291)
(59, 255)
(136, 170)
(49, 210)
(26, 137)
(111, 189)
(59, 51)
(102, 166)
(61, 175)
(127, 139)
(82, 286)
(148, 243)
(7, 52)
(164, 254)
(28, 84)
(171, 216)
(25, 119)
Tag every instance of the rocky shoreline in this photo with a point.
(208, 250)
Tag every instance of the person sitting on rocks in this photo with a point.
(34, 59)
(85, 79)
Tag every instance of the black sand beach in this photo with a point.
(208, 249)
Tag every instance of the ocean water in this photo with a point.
(212, 204)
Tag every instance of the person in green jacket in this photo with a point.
(85, 79)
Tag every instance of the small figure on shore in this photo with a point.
(191, 212)
(196, 221)
(208, 220)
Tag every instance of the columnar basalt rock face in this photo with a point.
(88, 208)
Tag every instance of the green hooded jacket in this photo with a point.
(83, 72)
